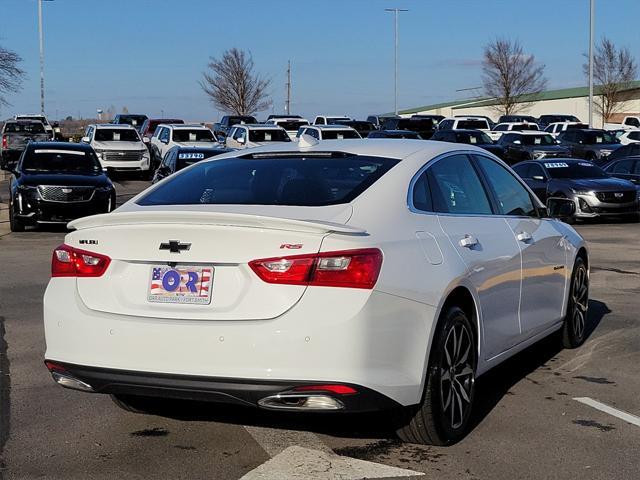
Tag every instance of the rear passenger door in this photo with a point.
(485, 243)
(544, 256)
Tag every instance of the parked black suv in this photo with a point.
(517, 119)
(363, 127)
(545, 120)
(469, 137)
(591, 144)
(425, 127)
(223, 127)
(529, 145)
(56, 182)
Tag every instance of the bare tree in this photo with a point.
(613, 71)
(232, 86)
(11, 75)
(510, 76)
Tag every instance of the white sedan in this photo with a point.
(318, 276)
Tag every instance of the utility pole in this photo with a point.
(395, 76)
(41, 54)
(592, 22)
(287, 105)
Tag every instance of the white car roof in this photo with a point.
(329, 127)
(119, 126)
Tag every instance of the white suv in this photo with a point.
(168, 135)
(118, 147)
(254, 135)
(330, 119)
(502, 128)
(291, 125)
(558, 127)
(329, 132)
(464, 123)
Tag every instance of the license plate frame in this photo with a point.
(183, 293)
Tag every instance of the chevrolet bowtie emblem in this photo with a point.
(174, 246)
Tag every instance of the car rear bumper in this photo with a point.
(371, 339)
(234, 391)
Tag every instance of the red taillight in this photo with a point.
(349, 269)
(73, 262)
(338, 389)
(54, 367)
(5, 145)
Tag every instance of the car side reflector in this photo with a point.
(347, 268)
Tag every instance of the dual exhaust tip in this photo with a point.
(302, 398)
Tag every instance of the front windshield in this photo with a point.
(545, 140)
(270, 135)
(116, 135)
(61, 161)
(195, 135)
(592, 138)
(473, 138)
(575, 170)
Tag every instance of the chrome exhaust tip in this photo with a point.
(301, 401)
(68, 381)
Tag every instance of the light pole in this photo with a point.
(395, 77)
(41, 54)
(592, 22)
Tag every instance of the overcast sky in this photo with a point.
(148, 55)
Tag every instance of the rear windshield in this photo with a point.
(537, 140)
(574, 170)
(577, 126)
(526, 126)
(195, 135)
(268, 136)
(61, 161)
(558, 118)
(236, 120)
(292, 125)
(339, 134)
(135, 120)
(304, 181)
(116, 135)
(472, 124)
(24, 128)
(417, 125)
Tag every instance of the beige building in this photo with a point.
(569, 101)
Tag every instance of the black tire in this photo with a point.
(442, 418)
(575, 322)
(14, 224)
(137, 404)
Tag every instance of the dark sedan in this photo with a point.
(530, 145)
(593, 191)
(363, 127)
(395, 134)
(57, 182)
(625, 168)
(591, 144)
(178, 158)
(469, 137)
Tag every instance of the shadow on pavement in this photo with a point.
(490, 390)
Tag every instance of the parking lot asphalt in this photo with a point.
(527, 424)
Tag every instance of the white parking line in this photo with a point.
(627, 417)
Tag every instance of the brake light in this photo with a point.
(73, 262)
(348, 269)
(5, 145)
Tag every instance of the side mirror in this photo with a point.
(85, 139)
(539, 178)
(560, 208)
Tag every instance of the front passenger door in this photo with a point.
(486, 245)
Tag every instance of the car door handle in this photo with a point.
(468, 241)
(524, 237)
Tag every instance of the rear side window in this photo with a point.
(456, 188)
(472, 124)
(623, 166)
(303, 181)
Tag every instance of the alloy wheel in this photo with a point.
(457, 375)
(580, 299)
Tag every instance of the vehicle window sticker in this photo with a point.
(192, 137)
(556, 165)
(473, 139)
(267, 137)
(116, 137)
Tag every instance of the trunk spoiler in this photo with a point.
(213, 218)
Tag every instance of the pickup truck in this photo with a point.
(630, 122)
(16, 134)
(223, 127)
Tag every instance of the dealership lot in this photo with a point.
(529, 424)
